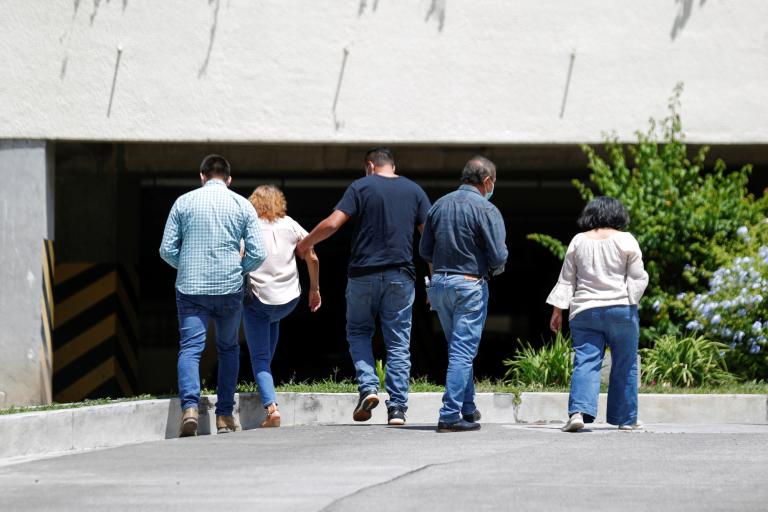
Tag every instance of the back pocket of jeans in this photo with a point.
(470, 298)
(359, 291)
(186, 306)
(400, 293)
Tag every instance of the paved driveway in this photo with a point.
(374, 467)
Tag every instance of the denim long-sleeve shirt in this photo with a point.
(202, 240)
(464, 234)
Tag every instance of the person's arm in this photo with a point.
(170, 247)
(255, 253)
(637, 277)
(422, 214)
(323, 230)
(561, 295)
(421, 232)
(427, 244)
(313, 268)
(495, 235)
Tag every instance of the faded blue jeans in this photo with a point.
(618, 328)
(389, 295)
(462, 306)
(195, 311)
(262, 330)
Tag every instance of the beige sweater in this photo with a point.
(600, 272)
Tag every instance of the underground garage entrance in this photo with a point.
(116, 332)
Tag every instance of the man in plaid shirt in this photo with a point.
(202, 240)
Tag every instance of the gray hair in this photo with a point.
(477, 169)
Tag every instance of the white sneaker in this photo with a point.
(629, 428)
(575, 423)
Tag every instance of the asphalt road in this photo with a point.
(375, 467)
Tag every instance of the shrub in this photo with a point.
(685, 218)
(551, 365)
(685, 362)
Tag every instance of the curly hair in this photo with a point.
(269, 202)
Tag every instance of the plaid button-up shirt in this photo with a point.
(202, 240)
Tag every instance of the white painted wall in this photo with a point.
(417, 70)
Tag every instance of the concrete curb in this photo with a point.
(46, 433)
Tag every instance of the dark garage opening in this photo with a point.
(112, 201)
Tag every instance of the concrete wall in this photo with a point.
(485, 71)
(26, 219)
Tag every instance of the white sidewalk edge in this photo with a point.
(35, 434)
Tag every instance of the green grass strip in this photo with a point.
(419, 385)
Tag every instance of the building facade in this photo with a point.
(107, 108)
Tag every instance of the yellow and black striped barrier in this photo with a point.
(46, 328)
(96, 331)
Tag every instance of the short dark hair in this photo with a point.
(477, 169)
(603, 212)
(215, 166)
(380, 156)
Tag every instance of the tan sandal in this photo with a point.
(227, 424)
(273, 417)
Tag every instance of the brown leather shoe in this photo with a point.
(227, 424)
(188, 426)
(273, 417)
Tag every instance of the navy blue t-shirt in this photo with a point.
(385, 211)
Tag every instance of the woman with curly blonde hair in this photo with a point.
(273, 289)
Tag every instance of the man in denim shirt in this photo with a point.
(464, 240)
(202, 240)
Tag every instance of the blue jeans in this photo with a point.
(262, 329)
(617, 327)
(389, 295)
(195, 311)
(462, 306)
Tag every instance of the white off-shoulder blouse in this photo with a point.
(600, 272)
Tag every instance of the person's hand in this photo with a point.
(556, 322)
(315, 301)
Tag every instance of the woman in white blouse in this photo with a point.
(601, 283)
(273, 290)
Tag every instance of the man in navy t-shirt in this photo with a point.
(386, 209)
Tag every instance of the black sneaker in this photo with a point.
(396, 415)
(368, 402)
(472, 418)
(457, 426)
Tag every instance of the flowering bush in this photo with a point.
(734, 308)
